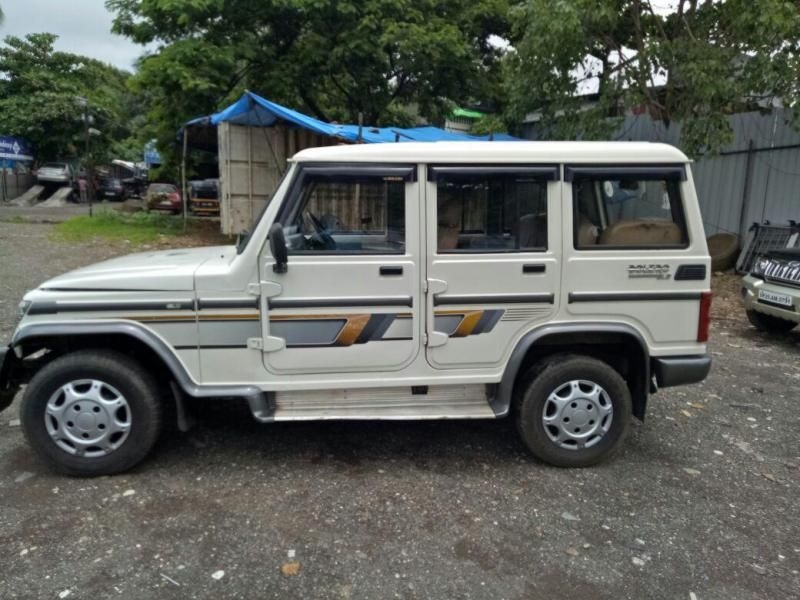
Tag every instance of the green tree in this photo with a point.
(334, 59)
(39, 90)
(716, 56)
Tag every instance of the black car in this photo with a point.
(111, 189)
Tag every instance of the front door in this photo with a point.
(350, 298)
(493, 266)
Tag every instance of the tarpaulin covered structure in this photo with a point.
(254, 137)
(254, 111)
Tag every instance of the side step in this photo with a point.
(399, 403)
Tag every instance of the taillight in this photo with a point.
(704, 321)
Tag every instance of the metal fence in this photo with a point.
(14, 182)
(754, 179)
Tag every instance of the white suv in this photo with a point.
(556, 283)
(771, 291)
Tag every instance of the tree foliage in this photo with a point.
(716, 56)
(333, 59)
(39, 87)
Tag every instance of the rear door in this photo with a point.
(637, 252)
(493, 259)
(350, 299)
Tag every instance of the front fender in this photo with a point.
(32, 331)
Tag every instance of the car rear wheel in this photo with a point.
(90, 413)
(572, 410)
(769, 323)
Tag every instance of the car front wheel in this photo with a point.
(573, 411)
(89, 413)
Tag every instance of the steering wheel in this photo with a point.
(320, 239)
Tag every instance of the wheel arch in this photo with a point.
(130, 335)
(631, 357)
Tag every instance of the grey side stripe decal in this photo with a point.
(631, 296)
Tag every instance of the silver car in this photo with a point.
(61, 173)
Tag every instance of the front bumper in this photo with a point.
(8, 384)
(750, 287)
(680, 370)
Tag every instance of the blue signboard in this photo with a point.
(151, 155)
(13, 149)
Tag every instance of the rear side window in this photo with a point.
(615, 211)
(491, 212)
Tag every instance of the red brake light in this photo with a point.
(704, 321)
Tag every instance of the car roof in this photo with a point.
(497, 152)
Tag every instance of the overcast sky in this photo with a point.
(83, 27)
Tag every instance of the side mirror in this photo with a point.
(277, 244)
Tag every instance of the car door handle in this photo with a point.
(533, 268)
(391, 271)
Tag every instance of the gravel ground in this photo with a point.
(702, 503)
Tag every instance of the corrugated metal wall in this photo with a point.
(759, 171)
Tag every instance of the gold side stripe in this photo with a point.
(468, 323)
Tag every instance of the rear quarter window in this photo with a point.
(628, 210)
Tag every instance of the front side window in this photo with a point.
(347, 214)
(631, 212)
(491, 213)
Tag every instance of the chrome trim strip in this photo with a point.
(631, 296)
(451, 299)
(344, 302)
(204, 303)
(54, 307)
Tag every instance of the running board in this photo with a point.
(400, 403)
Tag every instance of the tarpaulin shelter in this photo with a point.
(254, 138)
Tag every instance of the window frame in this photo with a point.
(543, 173)
(405, 172)
(673, 174)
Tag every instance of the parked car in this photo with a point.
(164, 196)
(391, 281)
(111, 188)
(771, 291)
(60, 173)
(204, 197)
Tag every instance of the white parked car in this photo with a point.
(556, 283)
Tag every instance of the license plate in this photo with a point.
(782, 299)
(109, 193)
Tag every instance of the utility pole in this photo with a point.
(84, 102)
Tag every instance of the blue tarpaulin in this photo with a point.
(251, 109)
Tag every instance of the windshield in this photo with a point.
(58, 166)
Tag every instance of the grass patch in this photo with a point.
(137, 228)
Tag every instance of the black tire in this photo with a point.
(136, 386)
(546, 377)
(769, 323)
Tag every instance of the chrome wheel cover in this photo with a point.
(577, 414)
(88, 418)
